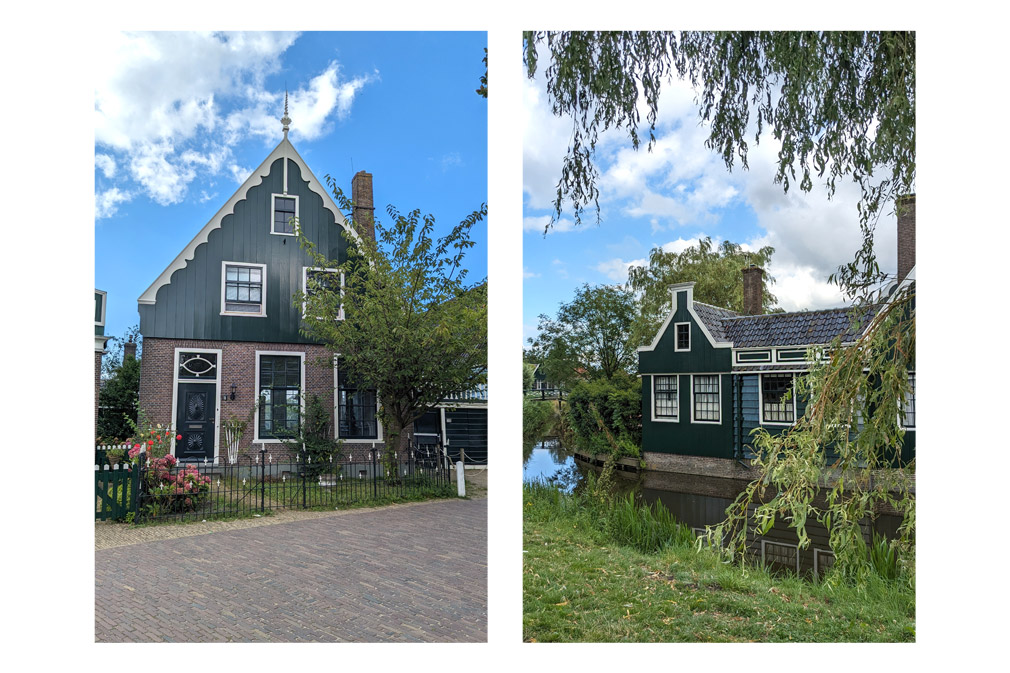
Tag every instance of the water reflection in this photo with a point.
(550, 462)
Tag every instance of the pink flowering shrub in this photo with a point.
(181, 491)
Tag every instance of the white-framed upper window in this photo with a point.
(909, 405)
(325, 278)
(244, 289)
(682, 336)
(284, 214)
(665, 403)
(100, 297)
(778, 399)
(706, 399)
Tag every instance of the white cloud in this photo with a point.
(169, 106)
(451, 159)
(106, 164)
(529, 274)
(537, 224)
(616, 269)
(107, 202)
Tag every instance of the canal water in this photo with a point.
(697, 501)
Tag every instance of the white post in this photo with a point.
(460, 481)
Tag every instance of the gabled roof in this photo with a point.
(801, 328)
(284, 149)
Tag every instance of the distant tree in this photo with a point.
(482, 90)
(589, 338)
(413, 330)
(120, 388)
(842, 105)
(716, 271)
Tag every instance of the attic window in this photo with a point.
(243, 289)
(285, 213)
(683, 334)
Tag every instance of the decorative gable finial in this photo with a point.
(285, 119)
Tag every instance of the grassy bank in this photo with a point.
(592, 574)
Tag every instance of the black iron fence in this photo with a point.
(169, 490)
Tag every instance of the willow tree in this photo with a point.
(841, 105)
(405, 322)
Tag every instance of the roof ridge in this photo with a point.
(721, 308)
(784, 313)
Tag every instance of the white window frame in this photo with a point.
(305, 287)
(676, 326)
(665, 419)
(718, 378)
(817, 560)
(105, 298)
(263, 295)
(273, 213)
(780, 544)
(761, 398)
(904, 406)
(336, 412)
(256, 389)
(217, 396)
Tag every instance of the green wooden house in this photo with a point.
(711, 375)
(221, 329)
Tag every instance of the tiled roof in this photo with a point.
(713, 317)
(800, 328)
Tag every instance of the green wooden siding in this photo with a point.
(467, 429)
(189, 306)
(702, 358)
(685, 437)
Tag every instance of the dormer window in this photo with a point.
(683, 334)
(285, 213)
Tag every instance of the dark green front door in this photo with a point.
(195, 421)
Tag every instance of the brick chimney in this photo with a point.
(753, 289)
(906, 235)
(364, 208)
(129, 350)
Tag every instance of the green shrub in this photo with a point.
(605, 416)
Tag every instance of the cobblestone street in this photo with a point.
(405, 573)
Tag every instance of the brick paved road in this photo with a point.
(416, 573)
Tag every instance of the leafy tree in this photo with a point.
(842, 105)
(412, 329)
(482, 90)
(716, 271)
(589, 337)
(120, 389)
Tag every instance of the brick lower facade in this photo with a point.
(237, 366)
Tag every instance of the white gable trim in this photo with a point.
(285, 150)
(689, 288)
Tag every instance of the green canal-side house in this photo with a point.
(221, 330)
(711, 375)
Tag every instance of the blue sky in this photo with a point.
(182, 119)
(672, 197)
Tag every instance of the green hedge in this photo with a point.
(617, 403)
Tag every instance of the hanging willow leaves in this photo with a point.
(841, 105)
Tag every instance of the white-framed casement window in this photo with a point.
(284, 214)
(665, 404)
(909, 405)
(322, 278)
(244, 289)
(780, 554)
(778, 399)
(706, 399)
(280, 380)
(357, 407)
(682, 336)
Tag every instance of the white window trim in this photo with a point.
(336, 412)
(781, 544)
(256, 388)
(263, 296)
(217, 395)
(105, 298)
(676, 325)
(273, 209)
(664, 419)
(901, 421)
(817, 554)
(305, 287)
(718, 378)
(761, 402)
